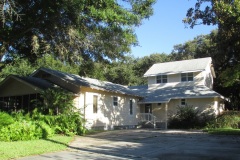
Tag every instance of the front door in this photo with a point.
(148, 108)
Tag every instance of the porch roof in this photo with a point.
(164, 95)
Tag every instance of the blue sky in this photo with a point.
(165, 29)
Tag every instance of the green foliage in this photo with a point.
(228, 119)
(56, 101)
(47, 131)
(20, 130)
(69, 124)
(5, 119)
(23, 67)
(223, 131)
(226, 43)
(187, 117)
(79, 30)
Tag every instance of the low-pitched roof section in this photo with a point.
(164, 95)
(175, 67)
(90, 82)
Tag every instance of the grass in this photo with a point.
(223, 131)
(10, 150)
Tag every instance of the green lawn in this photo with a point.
(224, 131)
(9, 150)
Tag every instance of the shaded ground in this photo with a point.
(149, 144)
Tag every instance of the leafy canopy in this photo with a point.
(73, 30)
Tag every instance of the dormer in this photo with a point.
(187, 72)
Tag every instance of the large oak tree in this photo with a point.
(76, 31)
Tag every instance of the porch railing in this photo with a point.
(147, 118)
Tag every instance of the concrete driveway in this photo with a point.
(149, 144)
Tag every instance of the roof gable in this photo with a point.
(15, 85)
(193, 65)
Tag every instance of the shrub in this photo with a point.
(20, 130)
(228, 119)
(188, 118)
(69, 124)
(5, 119)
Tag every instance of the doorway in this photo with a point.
(148, 108)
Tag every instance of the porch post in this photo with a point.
(166, 115)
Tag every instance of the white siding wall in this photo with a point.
(208, 78)
(107, 115)
(175, 80)
(204, 105)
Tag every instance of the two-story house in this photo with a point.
(179, 83)
(106, 105)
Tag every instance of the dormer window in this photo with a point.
(186, 77)
(162, 79)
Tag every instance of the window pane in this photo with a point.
(95, 103)
(184, 79)
(164, 81)
(159, 79)
(115, 101)
(164, 76)
(131, 107)
(183, 102)
(190, 76)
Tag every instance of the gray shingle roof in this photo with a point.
(193, 65)
(90, 82)
(163, 95)
(36, 82)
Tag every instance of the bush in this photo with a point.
(228, 119)
(188, 118)
(5, 119)
(20, 130)
(69, 124)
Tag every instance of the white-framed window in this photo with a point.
(183, 102)
(95, 103)
(131, 107)
(186, 77)
(115, 101)
(161, 79)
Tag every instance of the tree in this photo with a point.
(23, 67)
(225, 14)
(73, 30)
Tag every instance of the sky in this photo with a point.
(165, 29)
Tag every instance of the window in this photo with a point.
(131, 107)
(185, 77)
(95, 103)
(162, 79)
(183, 102)
(115, 101)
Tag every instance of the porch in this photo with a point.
(154, 115)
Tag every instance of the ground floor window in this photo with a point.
(95, 103)
(115, 101)
(131, 107)
(183, 102)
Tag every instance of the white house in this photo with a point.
(106, 105)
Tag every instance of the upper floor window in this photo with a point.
(115, 101)
(162, 79)
(185, 77)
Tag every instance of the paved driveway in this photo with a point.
(149, 144)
